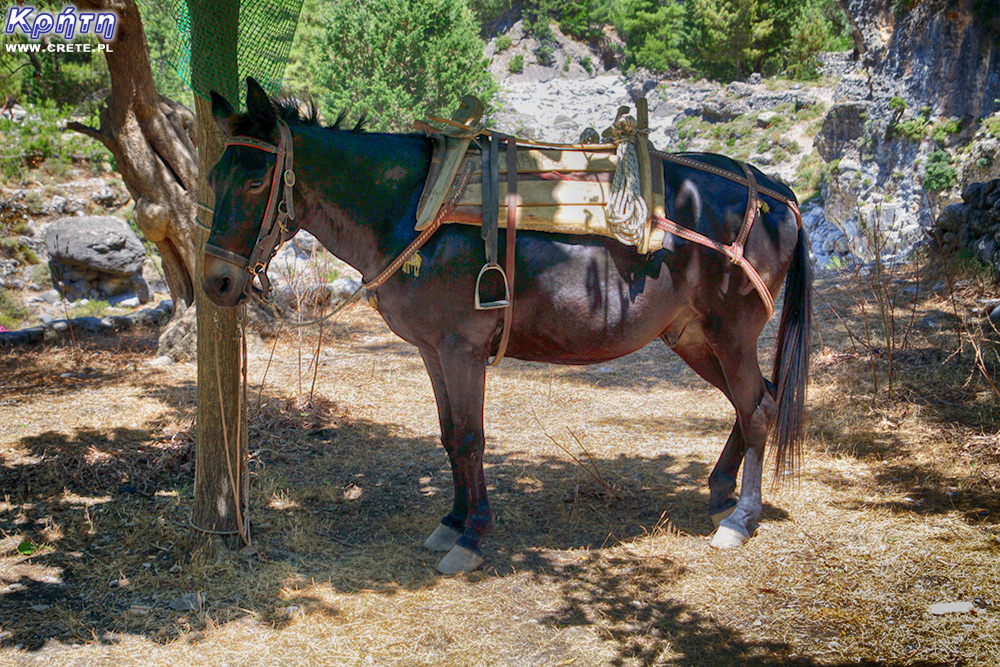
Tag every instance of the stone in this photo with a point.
(942, 608)
(160, 361)
(104, 196)
(755, 79)
(56, 206)
(842, 127)
(564, 122)
(104, 243)
(187, 602)
(765, 118)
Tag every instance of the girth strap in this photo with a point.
(508, 313)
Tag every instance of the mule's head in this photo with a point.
(243, 180)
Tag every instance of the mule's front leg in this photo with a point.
(463, 371)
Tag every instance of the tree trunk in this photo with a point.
(220, 484)
(153, 141)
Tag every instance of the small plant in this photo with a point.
(992, 125)
(587, 64)
(94, 308)
(12, 312)
(504, 42)
(897, 105)
(948, 127)
(940, 174)
(12, 248)
(544, 55)
(516, 65)
(983, 163)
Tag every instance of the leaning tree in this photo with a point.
(153, 141)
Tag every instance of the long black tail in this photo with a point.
(791, 362)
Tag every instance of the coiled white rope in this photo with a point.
(626, 209)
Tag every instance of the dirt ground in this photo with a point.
(598, 480)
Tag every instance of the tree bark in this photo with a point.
(220, 484)
(153, 141)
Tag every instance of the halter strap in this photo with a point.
(279, 210)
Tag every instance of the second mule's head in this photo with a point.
(242, 181)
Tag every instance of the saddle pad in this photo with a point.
(558, 191)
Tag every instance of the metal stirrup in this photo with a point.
(492, 305)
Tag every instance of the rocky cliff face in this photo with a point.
(927, 75)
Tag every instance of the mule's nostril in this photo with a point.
(224, 284)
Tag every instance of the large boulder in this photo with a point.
(95, 256)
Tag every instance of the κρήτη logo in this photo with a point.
(68, 23)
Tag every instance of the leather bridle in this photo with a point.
(279, 210)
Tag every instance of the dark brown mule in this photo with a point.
(577, 299)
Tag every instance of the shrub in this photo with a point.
(587, 64)
(12, 248)
(950, 126)
(993, 125)
(544, 55)
(897, 104)
(12, 312)
(433, 45)
(940, 174)
(516, 65)
(503, 43)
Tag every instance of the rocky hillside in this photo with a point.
(914, 123)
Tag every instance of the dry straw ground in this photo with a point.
(895, 510)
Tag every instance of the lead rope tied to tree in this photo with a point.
(626, 209)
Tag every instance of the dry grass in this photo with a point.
(895, 510)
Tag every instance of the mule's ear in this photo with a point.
(259, 105)
(222, 111)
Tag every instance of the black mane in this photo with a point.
(289, 110)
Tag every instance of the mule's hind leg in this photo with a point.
(755, 410)
(722, 481)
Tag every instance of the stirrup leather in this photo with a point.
(492, 305)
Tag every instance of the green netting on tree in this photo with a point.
(265, 32)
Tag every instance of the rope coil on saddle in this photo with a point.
(626, 210)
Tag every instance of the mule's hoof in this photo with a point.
(443, 538)
(459, 559)
(718, 517)
(728, 538)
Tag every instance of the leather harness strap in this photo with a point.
(733, 251)
(508, 313)
(279, 209)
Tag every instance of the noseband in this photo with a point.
(273, 225)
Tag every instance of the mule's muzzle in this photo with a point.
(223, 282)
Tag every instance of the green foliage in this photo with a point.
(12, 248)
(38, 140)
(12, 311)
(587, 64)
(654, 33)
(63, 78)
(544, 55)
(950, 126)
(503, 43)
(914, 129)
(992, 125)
(160, 26)
(940, 174)
(897, 104)
(730, 36)
(580, 19)
(93, 308)
(398, 60)
(516, 64)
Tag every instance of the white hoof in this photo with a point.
(727, 538)
(724, 514)
(459, 559)
(443, 538)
